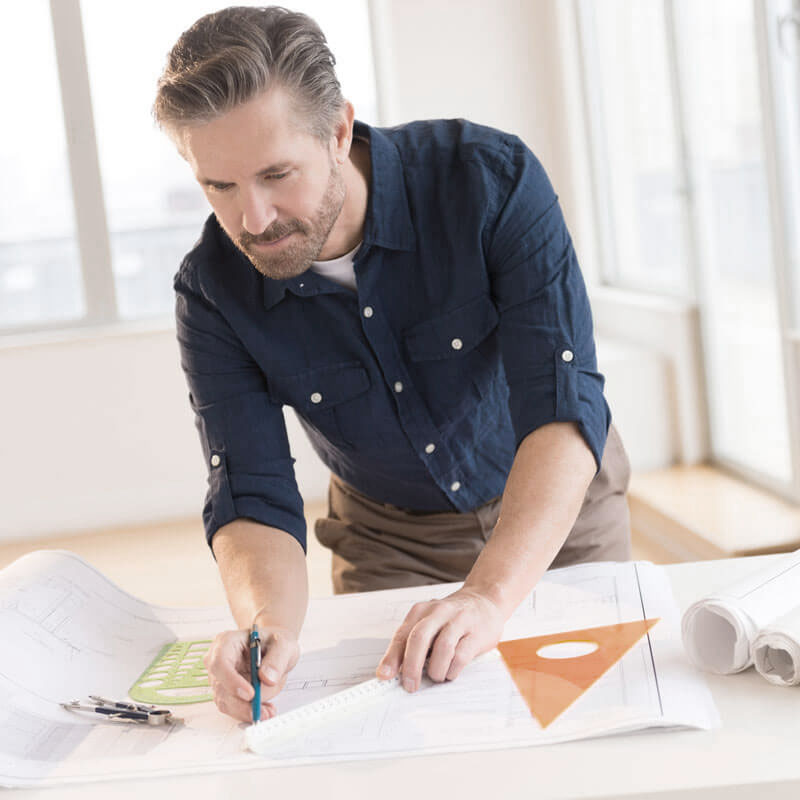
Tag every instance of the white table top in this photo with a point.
(754, 754)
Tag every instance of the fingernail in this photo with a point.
(243, 693)
(270, 674)
(385, 671)
(409, 685)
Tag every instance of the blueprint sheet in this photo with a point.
(66, 632)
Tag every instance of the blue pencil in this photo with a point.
(255, 663)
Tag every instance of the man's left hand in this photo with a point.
(449, 633)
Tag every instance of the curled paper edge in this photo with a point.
(777, 658)
(718, 617)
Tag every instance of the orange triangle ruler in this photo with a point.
(550, 685)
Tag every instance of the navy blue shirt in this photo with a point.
(469, 329)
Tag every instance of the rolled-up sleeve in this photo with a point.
(242, 430)
(545, 325)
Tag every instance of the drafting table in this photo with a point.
(754, 754)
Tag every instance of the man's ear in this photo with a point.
(342, 137)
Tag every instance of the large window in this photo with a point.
(693, 120)
(94, 223)
(636, 156)
(39, 266)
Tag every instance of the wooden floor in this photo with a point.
(170, 563)
(703, 512)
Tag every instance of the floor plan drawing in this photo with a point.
(70, 633)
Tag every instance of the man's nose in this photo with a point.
(258, 212)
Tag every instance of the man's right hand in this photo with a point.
(228, 665)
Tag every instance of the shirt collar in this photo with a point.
(387, 222)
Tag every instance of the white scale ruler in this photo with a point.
(260, 736)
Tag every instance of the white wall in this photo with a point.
(508, 63)
(96, 431)
(665, 331)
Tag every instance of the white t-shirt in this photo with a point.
(339, 270)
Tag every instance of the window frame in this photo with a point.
(773, 69)
(91, 224)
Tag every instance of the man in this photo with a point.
(414, 295)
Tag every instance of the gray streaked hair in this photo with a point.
(231, 56)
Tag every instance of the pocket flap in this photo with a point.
(320, 388)
(453, 333)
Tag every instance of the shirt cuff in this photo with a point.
(242, 496)
(575, 395)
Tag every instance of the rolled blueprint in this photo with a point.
(776, 650)
(719, 630)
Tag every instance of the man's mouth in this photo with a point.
(271, 243)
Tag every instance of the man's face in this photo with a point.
(275, 189)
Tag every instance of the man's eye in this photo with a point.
(277, 176)
(219, 187)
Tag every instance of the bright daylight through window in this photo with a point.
(40, 277)
(691, 135)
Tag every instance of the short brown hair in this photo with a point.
(229, 57)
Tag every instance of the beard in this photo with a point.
(295, 257)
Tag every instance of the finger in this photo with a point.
(389, 665)
(241, 710)
(224, 663)
(280, 654)
(444, 648)
(466, 649)
(418, 644)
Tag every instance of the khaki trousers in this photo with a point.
(379, 546)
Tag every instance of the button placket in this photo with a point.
(376, 334)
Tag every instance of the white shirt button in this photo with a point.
(316, 397)
(429, 448)
(368, 311)
(456, 344)
(398, 386)
(567, 356)
(215, 459)
(455, 486)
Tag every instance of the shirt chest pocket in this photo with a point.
(324, 397)
(454, 357)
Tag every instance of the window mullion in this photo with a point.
(594, 115)
(87, 187)
(695, 194)
(692, 188)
